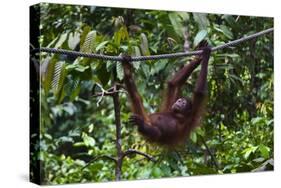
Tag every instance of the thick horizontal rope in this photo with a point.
(151, 57)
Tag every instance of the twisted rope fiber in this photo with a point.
(151, 57)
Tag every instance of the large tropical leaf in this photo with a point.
(47, 71)
(119, 70)
(144, 45)
(202, 20)
(176, 21)
(58, 77)
(90, 42)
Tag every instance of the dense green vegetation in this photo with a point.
(76, 126)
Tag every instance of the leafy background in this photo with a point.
(76, 126)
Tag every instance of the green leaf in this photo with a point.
(124, 33)
(257, 120)
(248, 151)
(236, 78)
(81, 68)
(61, 40)
(60, 95)
(146, 70)
(202, 20)
(47, 71)
(119, 70)
(86, 30)
(160, 65)
(264, 151)
(73, 40)
(78, 144)
(75, 89)
(93, 44)
(193, 137)
(117, 38)
(229, 19)
(89, 44)
(91, 127)
(226, 32)
(101, 45)
(259, 160)
(109, 66)
(88, 141)
(144, 45)
(136, 53)
(183, 15)
(121, 35)
(232, 55)
(199, 37)
(58, 77)
(52, 42)
(69, 108)
(176, 23)
(145, 173)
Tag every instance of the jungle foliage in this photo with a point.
(76, 126)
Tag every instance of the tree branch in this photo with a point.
(132, 151)
(118, 142)
(210, 153)
(108, 93)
